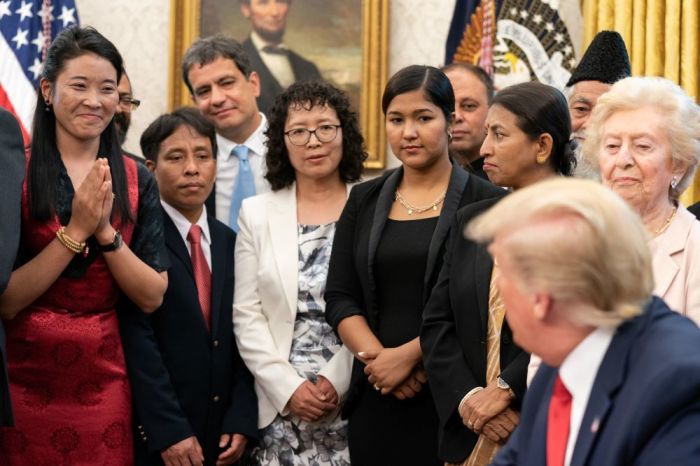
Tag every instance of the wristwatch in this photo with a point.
(503, 385)
(114, 245)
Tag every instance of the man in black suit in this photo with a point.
(11, 179)
(277, 66)
(695, 209)
(193, 396)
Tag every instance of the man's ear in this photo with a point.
(254, 80)
(542, 305)
(245, 9)
(151, 165)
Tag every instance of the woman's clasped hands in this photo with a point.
(395, 371)
(92, 205)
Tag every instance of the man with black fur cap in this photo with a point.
(604, 63)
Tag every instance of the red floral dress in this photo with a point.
(68, 381)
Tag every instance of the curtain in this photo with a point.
(663, 39)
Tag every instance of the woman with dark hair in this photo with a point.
(301, 369)
(386, 255)
(477, 373)
(91, 227)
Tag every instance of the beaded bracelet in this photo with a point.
(73, 245)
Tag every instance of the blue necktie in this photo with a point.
(243, 187)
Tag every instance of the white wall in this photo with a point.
(140, 29)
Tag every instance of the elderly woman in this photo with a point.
(301, 369)
(620, 382)
(477, 373)
(645, 135)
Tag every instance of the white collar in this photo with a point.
(255, 142)
(261, 43)
(183, 225)
(579, 369)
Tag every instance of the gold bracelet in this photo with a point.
(73, 245)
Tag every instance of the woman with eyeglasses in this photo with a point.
(387, 253)
(301, 369)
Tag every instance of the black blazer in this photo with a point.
(453, 335)
(695, 209)
(351, 287)
(269, 87)
(12, 164)
(186, 381)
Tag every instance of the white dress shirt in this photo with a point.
(227, 168)
(277, 63)
(183, 227)
(578, 373)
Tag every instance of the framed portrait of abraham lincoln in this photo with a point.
(342, 41)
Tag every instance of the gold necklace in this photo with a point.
(664, 227)
(411, 209)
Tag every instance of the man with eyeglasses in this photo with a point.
(224, 88)
(122, 118)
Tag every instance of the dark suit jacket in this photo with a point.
(269, 87)
(12, 164)
(351, 287)
(186, 381)
(644, 407)
(453, 335)
(695, 210)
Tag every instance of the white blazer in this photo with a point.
(265, 302)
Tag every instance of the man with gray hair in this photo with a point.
(224, 87)
(620, 380)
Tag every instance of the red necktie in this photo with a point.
(202, 275)
(558, 422)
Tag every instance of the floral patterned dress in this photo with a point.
(289, 441)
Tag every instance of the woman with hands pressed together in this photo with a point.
(91, 229)
(301, 369)
(387, 251)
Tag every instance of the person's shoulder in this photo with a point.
(221, 228)
(7, 118)
(483, 189)
(470, 211)
(665, 341)
(373, 184)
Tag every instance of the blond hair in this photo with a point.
(577, 241)
(681, 114)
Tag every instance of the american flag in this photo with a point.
(27, 28)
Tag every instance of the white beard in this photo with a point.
(584, 168)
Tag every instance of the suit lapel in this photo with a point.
(537, 441)
(483, 267)
(218, 267)
(175, 243)
(610, 376)
(381, 213)
(282, 226)
(455, 188)
(671, 242)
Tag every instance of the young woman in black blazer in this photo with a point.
(527, 140)
(387, 251)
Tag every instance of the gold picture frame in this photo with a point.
(185, 20)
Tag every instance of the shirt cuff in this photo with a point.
(466, 397)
